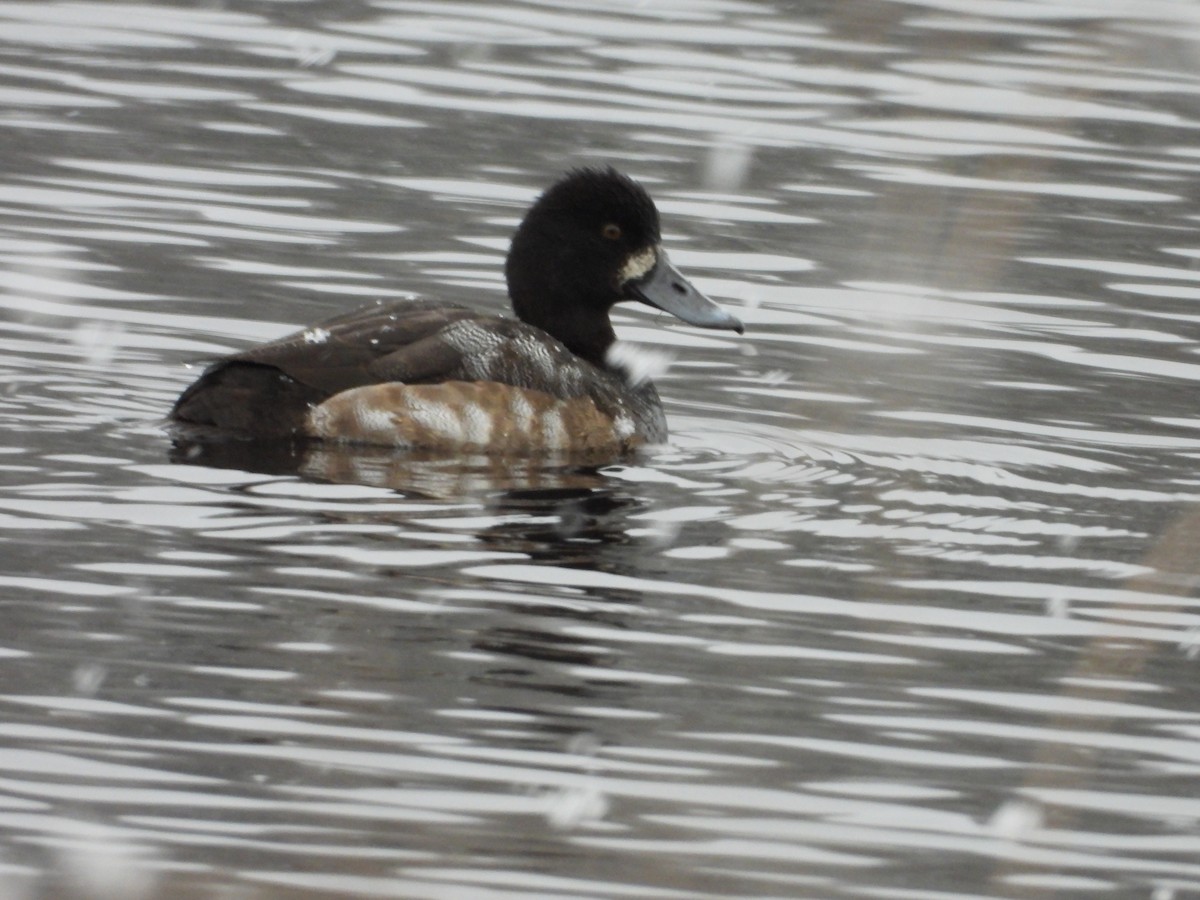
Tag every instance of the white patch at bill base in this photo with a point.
(638, 265)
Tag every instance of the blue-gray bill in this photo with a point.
(665, 288)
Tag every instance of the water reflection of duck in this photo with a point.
(425, 374)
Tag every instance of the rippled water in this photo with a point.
(908, 609)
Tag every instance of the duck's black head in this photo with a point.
(589, 242)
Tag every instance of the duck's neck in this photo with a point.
(585, 331)
(588, 340)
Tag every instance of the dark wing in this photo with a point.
(342, 352)
(267, 390)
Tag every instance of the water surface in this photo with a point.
(906, 609)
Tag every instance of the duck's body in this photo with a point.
(430, 375)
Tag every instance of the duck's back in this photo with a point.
(269, 389)
(421, 373)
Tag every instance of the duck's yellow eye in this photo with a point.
(611, 231)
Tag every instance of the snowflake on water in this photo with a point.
(639, 364)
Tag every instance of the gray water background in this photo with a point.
(907, 609)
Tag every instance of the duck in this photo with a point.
(436, 376)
